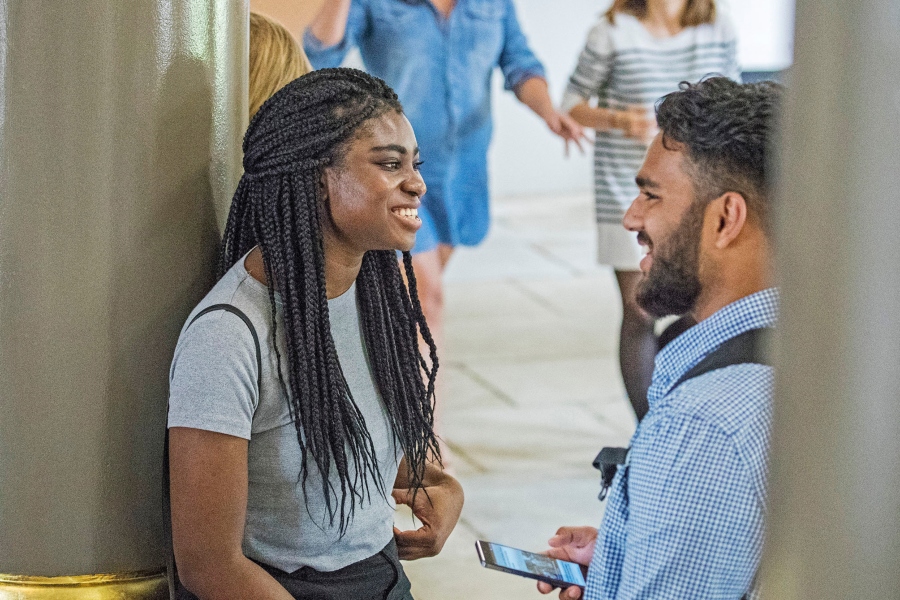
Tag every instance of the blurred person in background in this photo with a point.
(439, 55)
(639, 51)
(276, 59)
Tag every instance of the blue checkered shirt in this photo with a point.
(684, 518)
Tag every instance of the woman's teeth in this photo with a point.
(411, 213)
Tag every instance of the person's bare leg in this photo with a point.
(637, 344)
(429, 269)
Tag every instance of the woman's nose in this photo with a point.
(416, 185)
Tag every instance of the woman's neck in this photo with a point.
(663, 17)
(342, 265)
(445, 7)
(341, 269)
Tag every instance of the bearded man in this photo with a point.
(686, 503)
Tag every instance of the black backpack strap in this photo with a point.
(743, 348)
(171, 571)
(239, 314)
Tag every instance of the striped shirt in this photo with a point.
(622, 65)
(685, 516)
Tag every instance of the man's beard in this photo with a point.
(672, 285)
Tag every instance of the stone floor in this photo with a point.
(532, 390)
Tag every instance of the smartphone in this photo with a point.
(558, 573)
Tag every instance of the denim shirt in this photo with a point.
(441, 69)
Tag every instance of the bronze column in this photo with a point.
(120, 131)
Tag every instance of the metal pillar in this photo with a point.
(120, 131)
(834, 530)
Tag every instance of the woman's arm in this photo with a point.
(438, 506)
(599, 119)
(635, 122)
(330, 25)
(534, 94)
(208, 474)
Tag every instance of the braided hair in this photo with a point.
(278, 206)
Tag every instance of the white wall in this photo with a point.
(765, 31)
(526, 158)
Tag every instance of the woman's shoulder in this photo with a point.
(722, 27)
(622, 31)
(601, 35)
(236, 307)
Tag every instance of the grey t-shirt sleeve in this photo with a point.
(213, 379)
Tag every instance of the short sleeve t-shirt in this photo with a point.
(213, 386)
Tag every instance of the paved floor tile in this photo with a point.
(524, 338)
(590, 298)
(502, 255)
(543, 383)
(493, 300)
(531, 441)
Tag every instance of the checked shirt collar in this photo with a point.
(681, 354)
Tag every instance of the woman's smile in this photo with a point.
(408, 216)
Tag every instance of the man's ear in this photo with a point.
(729, 212)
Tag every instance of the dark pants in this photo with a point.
(379, 577)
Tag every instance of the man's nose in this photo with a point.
(633, 218)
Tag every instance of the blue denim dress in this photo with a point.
(441, 69)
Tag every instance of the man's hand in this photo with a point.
(437, 506)
(574, 544)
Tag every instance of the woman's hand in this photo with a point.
(574, 544)
(437, 506)
(567, 128)
(534, 94)
(636, 122)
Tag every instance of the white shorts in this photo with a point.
(618, 247)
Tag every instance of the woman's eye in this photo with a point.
(392, 165)
(418, 164)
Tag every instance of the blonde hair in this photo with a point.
(696, 12)
(276, 59)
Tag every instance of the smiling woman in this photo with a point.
(287, 457)
(378, 182)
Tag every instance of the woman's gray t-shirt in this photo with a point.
(213, 386)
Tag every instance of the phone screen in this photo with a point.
(530, 564)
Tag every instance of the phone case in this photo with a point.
(484, 563)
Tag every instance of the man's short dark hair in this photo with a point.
(726, 129)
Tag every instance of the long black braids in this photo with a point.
(278, 205)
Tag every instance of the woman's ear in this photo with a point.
(730, 213)
(323, 184)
